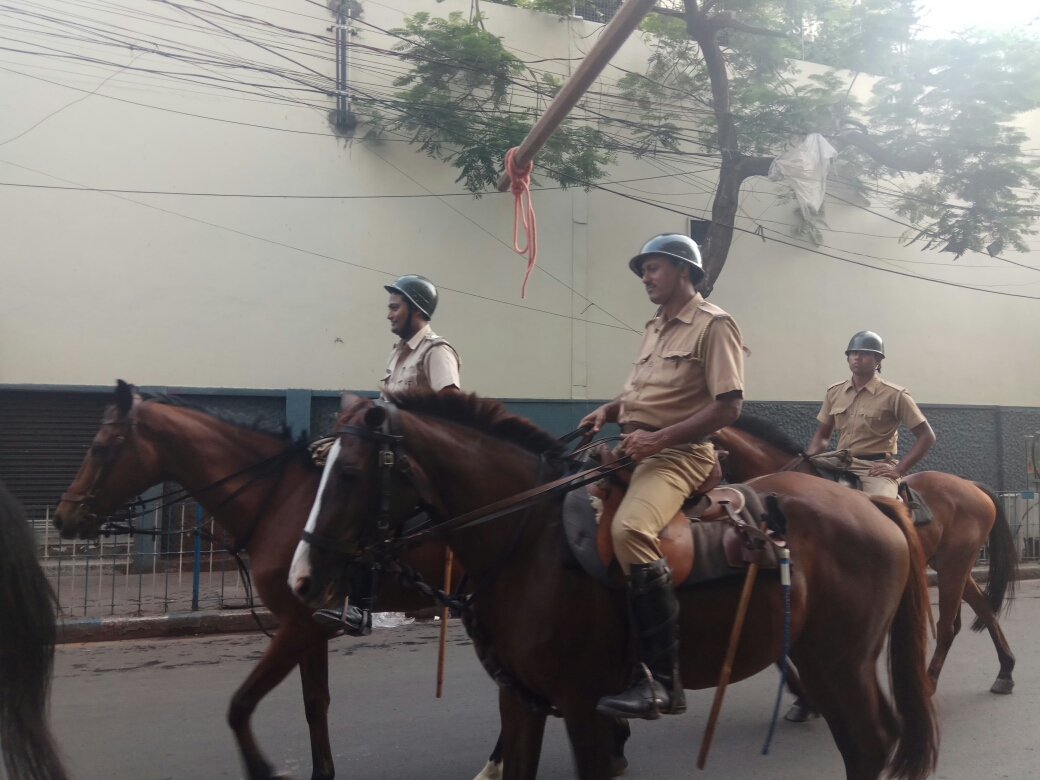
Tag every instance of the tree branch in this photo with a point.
(669, 12)
(728, 20)
(917, 162)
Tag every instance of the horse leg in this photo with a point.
(314, 674)
(622, 731)
(521, 737)
(290, 644)
(859, 717)
(493, 768)
(801, 710)
(592, 738)
(977, 601)
(951, 589)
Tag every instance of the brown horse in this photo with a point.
(27, 634)
(556, 640)
(143, 443)
(965, 514)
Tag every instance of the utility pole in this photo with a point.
(344, 118)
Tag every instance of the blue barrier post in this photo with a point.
(196, 570)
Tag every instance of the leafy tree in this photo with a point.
(936, 140)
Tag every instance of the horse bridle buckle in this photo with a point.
(386, 458)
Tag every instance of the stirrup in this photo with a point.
(350, 620)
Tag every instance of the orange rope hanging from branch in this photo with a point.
(520, 185)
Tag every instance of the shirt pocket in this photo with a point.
(881, 422)
(840, 412)
(677, 365)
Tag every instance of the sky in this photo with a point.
(944, 16)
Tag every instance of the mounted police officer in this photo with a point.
(421, 360)
(867, 412)
(687, 382)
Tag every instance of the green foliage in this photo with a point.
(951, 103)
(937, 139)
(466, 100)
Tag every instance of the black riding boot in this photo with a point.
(656, 688)
(355, 617)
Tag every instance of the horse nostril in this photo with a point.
(303, 587)
(57, 522)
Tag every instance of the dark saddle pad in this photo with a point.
(710, 561)
(919, 509)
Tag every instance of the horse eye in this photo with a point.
(347, 473)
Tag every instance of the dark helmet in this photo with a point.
(866, 341)
(673, 245)
(417, 290)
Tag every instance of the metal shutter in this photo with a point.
(44, 437)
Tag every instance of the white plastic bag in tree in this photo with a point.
(805, 169)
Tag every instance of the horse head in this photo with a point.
(363, 496)
(118, 466)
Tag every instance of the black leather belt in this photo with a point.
(875, 456)
(631, 427)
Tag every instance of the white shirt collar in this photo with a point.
(421, 334)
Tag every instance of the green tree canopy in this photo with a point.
(937, 139)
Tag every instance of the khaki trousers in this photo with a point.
(841, 460)
(659, 486)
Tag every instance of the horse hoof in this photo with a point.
(618, 765)
(800, 713)
(1002, 685)
(492, 771)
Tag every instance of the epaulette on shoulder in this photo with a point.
(897, 388)
(713, 310)
(838, 384)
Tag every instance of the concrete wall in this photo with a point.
(271, 294)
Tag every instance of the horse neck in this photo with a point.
(196, 450)
(469, 470)
(750, 457)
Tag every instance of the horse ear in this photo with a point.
(346, 400)
(124, 397)
(375, 417)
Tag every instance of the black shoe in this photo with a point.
(350, 620)
(656, 688)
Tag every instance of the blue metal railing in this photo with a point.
(176, 571)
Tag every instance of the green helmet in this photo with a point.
(418, 291)
(866, 341)
(674, 245)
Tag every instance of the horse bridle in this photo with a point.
(112, 457)
(390, 460)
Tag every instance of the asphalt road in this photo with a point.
(150, 710)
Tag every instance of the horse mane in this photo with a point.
(482, 414)
(255, 424)
(769, 432)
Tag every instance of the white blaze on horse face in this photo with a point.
(301, 563)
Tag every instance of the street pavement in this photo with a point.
(155, 710)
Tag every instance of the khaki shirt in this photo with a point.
(868, 420)
(425, 361)
(683, 365)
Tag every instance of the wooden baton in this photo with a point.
(444, 624)
(727, 664)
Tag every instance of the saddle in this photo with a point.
(919, 509)
(715, 535)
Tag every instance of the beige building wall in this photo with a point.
(275, 293)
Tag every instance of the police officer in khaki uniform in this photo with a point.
(867, 412)
(686, 383)
(421, 359)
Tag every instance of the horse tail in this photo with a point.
(27, 607)
(1003, 560)
(918, 749)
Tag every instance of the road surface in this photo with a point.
(154, 710)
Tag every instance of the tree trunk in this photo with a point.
(735, 166)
